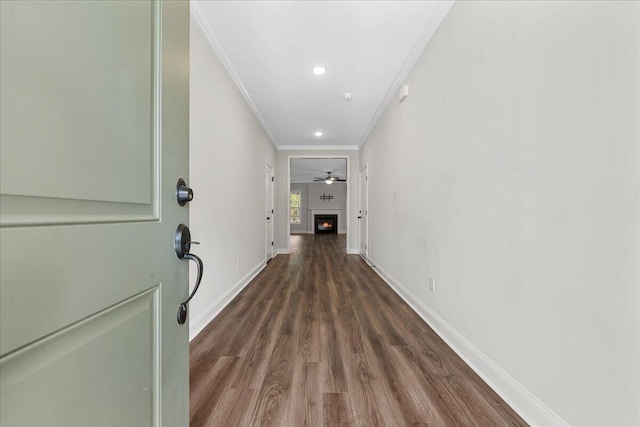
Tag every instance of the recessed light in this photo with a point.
(348, 96)
(319, 70)
(318, 133)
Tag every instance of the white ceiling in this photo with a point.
(306, 170)
(269, 48)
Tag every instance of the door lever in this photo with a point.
(182, 247)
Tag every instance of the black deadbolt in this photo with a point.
(183, 193)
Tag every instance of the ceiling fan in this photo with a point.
(329, 179)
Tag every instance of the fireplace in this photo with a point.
(326, 224)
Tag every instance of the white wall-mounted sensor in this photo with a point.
(404, 92)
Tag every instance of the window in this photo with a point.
(294, 207)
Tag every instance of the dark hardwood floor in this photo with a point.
(317, 338)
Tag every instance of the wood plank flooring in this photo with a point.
(318, 339)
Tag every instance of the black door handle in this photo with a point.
(182, 247)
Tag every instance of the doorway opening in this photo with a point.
(318, 195)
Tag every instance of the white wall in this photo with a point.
(338, 190)
(515, 165)
(228, 155)
(282, 194)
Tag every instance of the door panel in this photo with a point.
(96, 98)
(77, 93)
(64, 274)
(269, 241)
(363, 213)
(39, 371)
(77, 87)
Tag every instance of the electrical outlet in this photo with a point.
(432, 284)
(238, 263)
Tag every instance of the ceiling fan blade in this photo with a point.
(329, 178)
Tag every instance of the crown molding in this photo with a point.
(204, 25)
(318, 148)
(429, 29)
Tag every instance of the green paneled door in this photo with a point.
(94, 136)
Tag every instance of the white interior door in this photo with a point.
(269, 241)
(363, 212)
(94, 135)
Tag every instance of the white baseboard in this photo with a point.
(528, 406)
(197, 324)
(353, 251)
(282, 251)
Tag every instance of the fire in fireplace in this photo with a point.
(326, 224)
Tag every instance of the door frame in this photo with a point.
(366, 214)
(269, 190)
(318, 156)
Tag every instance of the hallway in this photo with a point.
(317, 338)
